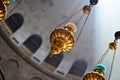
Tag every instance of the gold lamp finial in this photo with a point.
(62, 39)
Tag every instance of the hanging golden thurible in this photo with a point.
(6, 2)
(87, 9)
(96, 74)
(2, 11)
(113, 46)
(62, 39)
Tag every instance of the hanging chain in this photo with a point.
(69, 18)
(112, 65)
(103, 56)
(13, 8)
(82, 29)
(79, 19)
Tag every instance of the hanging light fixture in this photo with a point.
(62, 39)
(96, 74)
(3, 10)
(112, 46)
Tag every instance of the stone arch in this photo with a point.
(78, 68)
(15, 21)
(12, 67)
(33, 42)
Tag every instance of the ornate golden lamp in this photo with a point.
(62, 39)
(98, 73)
(3, 10)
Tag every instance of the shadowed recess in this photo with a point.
(33, 42)
(15, 21)
(54, 60)
(78, 68)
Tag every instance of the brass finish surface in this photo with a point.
(96, 74)
(6, 2)
(113, 46)
(99, 71)
(62, 39)
(2, 10)
(70, 27)
(87, 9)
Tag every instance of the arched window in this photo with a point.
(15, 21)
(54, 60)
(33, 43)
(78, 68)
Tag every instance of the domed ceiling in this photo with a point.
(29, 23)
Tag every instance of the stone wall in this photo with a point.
(16, 68)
